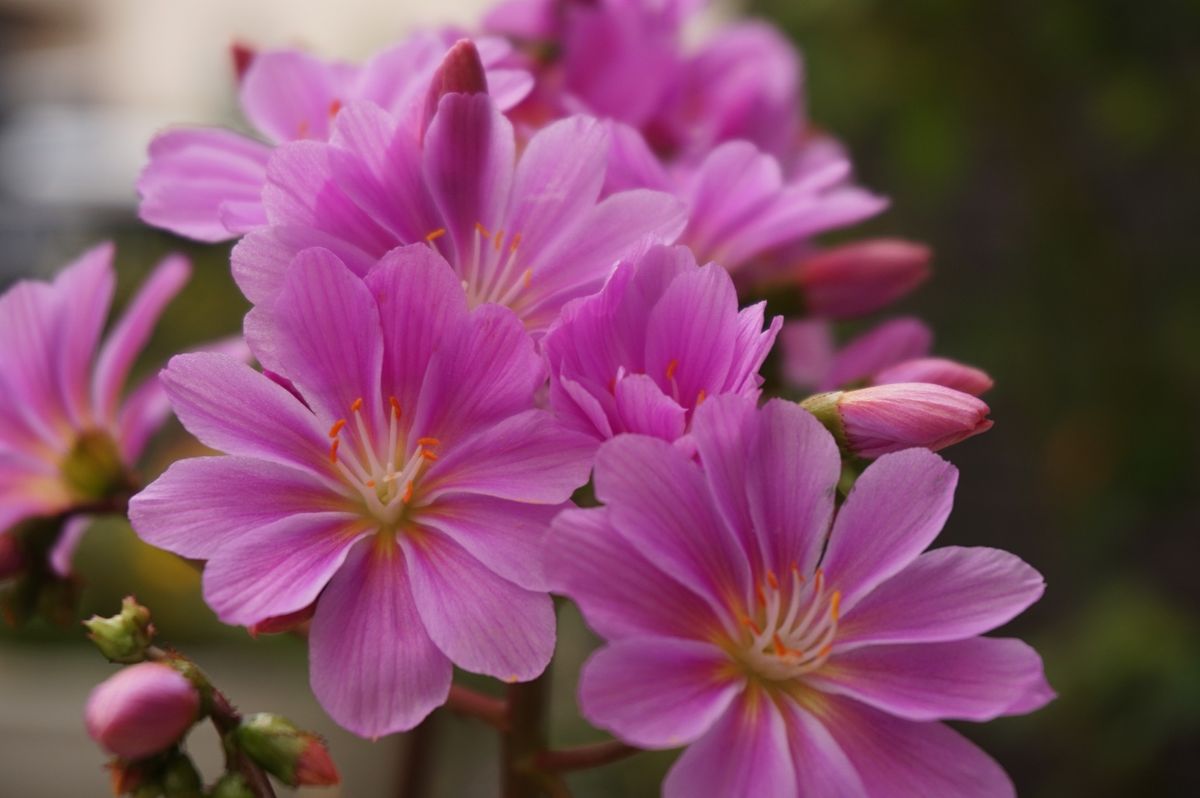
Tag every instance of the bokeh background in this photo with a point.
(1049, 151)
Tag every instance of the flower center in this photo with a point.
(491, 271)
(383, 480)
(93, 469)
(793, 628)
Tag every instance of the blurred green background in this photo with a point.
(1049, 152)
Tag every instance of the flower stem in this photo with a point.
(416, 764)
(524, 739)
(465, 701)
(585, 756)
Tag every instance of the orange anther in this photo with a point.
(370, 483)
(436, 234)
(516, 242)
(498, 240)
(771, 580)
(337, 427)
(780, 648)
(357, 405)
(674, 364)
(762, 596)
(407, 493)
(428, 455)
(749, 622)
(527, 277)
(479, 228)
(835, 604)
(333, 447)
(395, 406)
(334, 107)
(700, 397)
(825, 649)
(428, 441)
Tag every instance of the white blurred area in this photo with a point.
(86, 83)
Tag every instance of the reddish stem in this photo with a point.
(584, 757)
(492, 711)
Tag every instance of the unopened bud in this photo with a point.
(938, 371)
(231, 785)
(858, 279)
(882, 346)
(127, 778)
(180, 779)
(141, 710)
(461, 72)
(292, 755)
(242, 56)
(125, 636)
(870, 422)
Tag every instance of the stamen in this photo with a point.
(357, 405)
(671, 367)
(337, 427)
(835, 604)
(428, 441)
(701, 396)
(334, 107)
(771, 580)
(435, 234)
(408, 490)
(483, 231)
(516, 242)
(428, 455)
(527, 277)
(395, 404)
(333, 447)
(498, 240)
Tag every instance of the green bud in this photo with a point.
(125, 636)
(180, 778)
(231, 785)
(292, 755)
(825, 407)
(148, 791)
(93, 469)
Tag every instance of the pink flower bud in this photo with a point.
(242, 55)
(857, 279)
(461, 72)
(870, 422)
(141, 710)
(939, 371)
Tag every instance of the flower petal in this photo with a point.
(483, 623)
(85, 289)
(946, 594)
(979, 678)
(202, 505)
(287, 94)
(744, 755)
(281, 568)
(822, 767)
(645, 409)
(372, 665)
(896, 508)
(657, 692)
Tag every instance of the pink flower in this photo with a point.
(872, 421)
(792, 651)
(141, 710)
(206, 183)
(402, 481)
(661, 338)
(66, 437)
(858, 279)
(530, 233)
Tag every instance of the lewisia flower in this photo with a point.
(206, 183)
(793, 652)
(67, 440)
(895, 351)
(141, 710)
(528, 233)
(645, 352)
(393, 470)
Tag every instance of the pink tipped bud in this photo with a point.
(242, 56)
(292, 755)
(938, 371)
(461, 72)
(860, 278)
(315, 766)
(870, 422)
(141, 710)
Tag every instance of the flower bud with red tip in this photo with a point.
(292, 755)
(461, 72)
(141, 710)
(870, 422)
(857, 279)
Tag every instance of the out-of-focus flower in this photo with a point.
(141, 709)
(529, 234)
(792, 655)
(868, 422)
(403, 483)
(292, 755)
(857, 279)
(661, 338)
(67, 439)
(206, 183)
(895, 351)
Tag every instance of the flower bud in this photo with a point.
(293, 756)
(870, 422)
(231, 785)
(141, 710)
(180, 779)
(858, 279)
(461, 72)
(242, 55)
(125, 636)
(938, 371)
(127, 778)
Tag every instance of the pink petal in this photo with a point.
(885, 345)
(483, 623)
(724, 431)
(144, 410)
(196, 176)
(506, 536)
(261, 259)
(85, 289)
(621, 593)
(281, 568)
(644, 408)
(287, 95)
(895, 510)
(822, 767)
(946, 594)
(904, 759)
(744, 755)
(807, 352)
(372, 665)
(202, 505)
(233, 408)
(527, 457)
(658, 501)
(29, 318)
(979, 678)
(69, 538)
(132, 332)
(657, 692)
